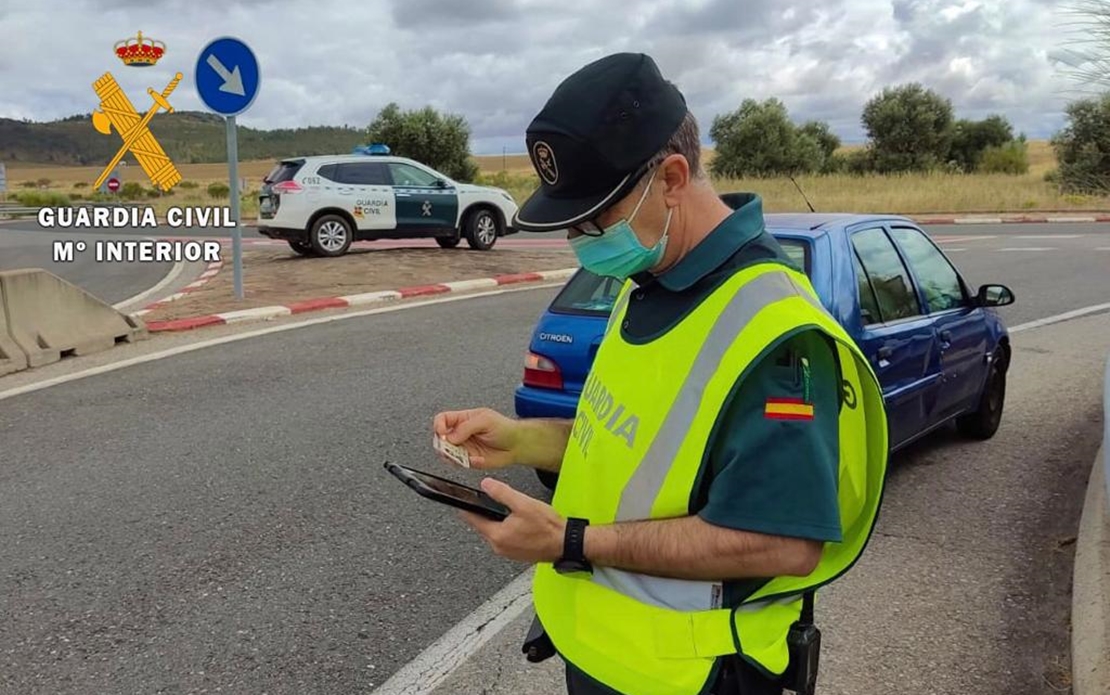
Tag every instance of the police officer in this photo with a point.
(730, 445)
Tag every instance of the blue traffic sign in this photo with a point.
(227, 76)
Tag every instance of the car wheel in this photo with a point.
(984, 421)
(331, 236)
(448, 242)
(482, 229)
(548, 479)
(303, 248)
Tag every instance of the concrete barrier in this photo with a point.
(1090, 639)
(49, 318)
(12, 359)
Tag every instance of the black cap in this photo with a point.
(594, 136)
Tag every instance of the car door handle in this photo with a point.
(885, 352)
(946, 336)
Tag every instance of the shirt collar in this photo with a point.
(744, 224)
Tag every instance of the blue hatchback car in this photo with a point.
(938, 347)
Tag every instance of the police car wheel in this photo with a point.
(331, 236)
(984, 421)
(482, 229)
(548, 479)
(303, 248)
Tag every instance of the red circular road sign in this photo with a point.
(113, 185)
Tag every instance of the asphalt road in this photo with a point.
(110, 282)
(221, 519)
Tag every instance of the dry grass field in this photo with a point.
(908, 194)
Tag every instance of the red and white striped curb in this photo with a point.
(271, 312)
(210, 272)
(1013, 219)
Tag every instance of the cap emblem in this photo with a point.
(545, 163)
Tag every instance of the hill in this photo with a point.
(189, 137)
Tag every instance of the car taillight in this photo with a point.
(540, 372)
(286, 187)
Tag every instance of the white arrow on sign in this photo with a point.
(233, 80)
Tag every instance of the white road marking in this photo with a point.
(1028, 248)
(1050, 236)
(170, 277)
(212, 342)
(1103, 248)
(427, 671)
(973, 237)
(1059, 318)
(947, 250)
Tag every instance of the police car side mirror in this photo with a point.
(994, 295)
(440, 183)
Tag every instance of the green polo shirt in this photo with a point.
(759, 474)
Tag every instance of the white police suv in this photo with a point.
(321, 204)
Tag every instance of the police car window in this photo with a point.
(284, 171)
(894, 292)
(939, 281)
(408, 175)
(587, 293)
(362, 174)
(328, 171)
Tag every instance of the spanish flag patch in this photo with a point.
(788, 409)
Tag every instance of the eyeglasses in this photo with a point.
(589, 227)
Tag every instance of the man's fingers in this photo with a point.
(506, 495)
(465, 429)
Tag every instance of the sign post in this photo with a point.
(3, 179)
(227, 79)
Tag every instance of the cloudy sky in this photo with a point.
(496, 61)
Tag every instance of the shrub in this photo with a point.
(219, 191)
(188, 185)
(1011, 158)
(81, 184)
(42, 199)
(132, 190)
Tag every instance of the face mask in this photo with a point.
(617, 252)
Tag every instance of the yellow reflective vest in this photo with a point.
(641, 431)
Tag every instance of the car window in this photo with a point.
(329, 172)
(939, 281)
(284, 171)
(408, 175)
(798, 251)
(889, 278)
(868, 304)
(587, 293)
(362, 174)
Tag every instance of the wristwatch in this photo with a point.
(574, 560)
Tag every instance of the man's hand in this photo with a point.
(488, 436)
(532, 533)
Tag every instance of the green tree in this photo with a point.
(1083, 146)
(441, 141)
(971, 139)
(826, 139)
(759, 139)
(910, 128)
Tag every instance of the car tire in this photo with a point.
(482, 229)
(984, 421)
(303, 248)
(331, 236)
(448, 242)
(548, 479)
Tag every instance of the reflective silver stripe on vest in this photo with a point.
(622, 300)
(643, 488)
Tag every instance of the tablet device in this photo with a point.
(449, 492)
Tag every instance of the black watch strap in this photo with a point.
(574, 547)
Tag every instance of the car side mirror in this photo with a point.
(994, 295)
(440, 183)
